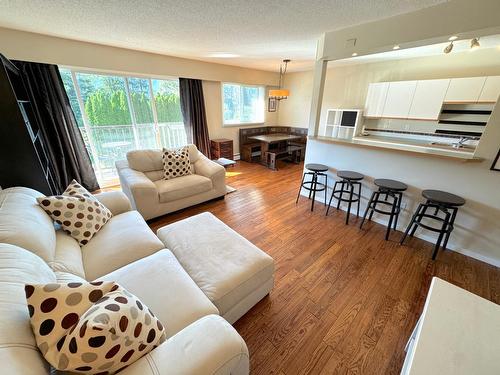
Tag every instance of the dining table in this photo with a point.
(268, 139)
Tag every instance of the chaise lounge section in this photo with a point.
(177, 285)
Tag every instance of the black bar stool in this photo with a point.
(386, 188)
(313, 185)
(349, 181)
(440, 201)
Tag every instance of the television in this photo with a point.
(348, 118)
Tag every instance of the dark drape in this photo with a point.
(65, 147)
(193, 112)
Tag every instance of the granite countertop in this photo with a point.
(402, 144)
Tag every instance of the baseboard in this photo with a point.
(423, 236)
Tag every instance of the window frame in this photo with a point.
(126, 76)
(262, 88)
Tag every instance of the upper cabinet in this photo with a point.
(399, 98)
(465, 90)
(428, 99)
(422, 100)
(491, 89)
(375, 99)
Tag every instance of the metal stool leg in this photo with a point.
(326, 187)
(300, 188)
(367, 209)
(441, 234)
(400, 198)
(312, 183)
(419, 218)
(342, 183)
(451, 223)
(391, 217)
(351, 191)
(411, 223)
(331, 197)
(314, 187)
(359, 198)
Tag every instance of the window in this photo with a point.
(116, 114)
(242, 104)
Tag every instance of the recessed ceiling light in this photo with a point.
(396, 46)
(223, 55)
(354, 54)
(453, 37)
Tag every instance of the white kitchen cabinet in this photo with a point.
(465, 89)
(491, 89)
(399, 97)
(428, 99)
(375, 99)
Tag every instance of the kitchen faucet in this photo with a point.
(461, 141)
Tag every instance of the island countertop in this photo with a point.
(402, 144)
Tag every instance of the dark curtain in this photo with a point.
(65, 147)
(193, 112)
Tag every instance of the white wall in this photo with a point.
(27, 46)
(477, 231)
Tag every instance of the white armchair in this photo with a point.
(141, 179)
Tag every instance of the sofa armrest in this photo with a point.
(208, 168)
(116, 201)
(139, 189)
(208, 346)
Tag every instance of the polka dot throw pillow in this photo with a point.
(176, 163)
(91, 328)
(78, 212)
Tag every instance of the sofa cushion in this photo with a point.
(25, 224)
(162, 284)
(17, 343)
(182, 187)
(225, 265)
(68, 255)
(176, 163)
(79, 213)
(91, 327)
(151, 160)
(124, 239)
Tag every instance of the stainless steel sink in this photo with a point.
(449, 146)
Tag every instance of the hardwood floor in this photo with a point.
(345, 301)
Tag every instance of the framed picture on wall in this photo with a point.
(271, 105)
(496, 163)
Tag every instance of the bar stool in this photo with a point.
(349, 181)
(313, 185)
(440, 201)
(387, 188)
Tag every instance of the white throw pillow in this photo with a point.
(91, 328)
(176, 163)
(78, 212)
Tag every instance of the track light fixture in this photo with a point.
(448, 48)
(474, 43)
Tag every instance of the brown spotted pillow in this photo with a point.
(78, 212)
(176, 163)
(91, 328)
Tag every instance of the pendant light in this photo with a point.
(281, 93)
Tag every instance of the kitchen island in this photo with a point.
(404, 144)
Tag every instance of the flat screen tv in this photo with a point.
(348, 118)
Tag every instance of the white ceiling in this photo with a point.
(261, 32)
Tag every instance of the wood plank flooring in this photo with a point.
(345, 301)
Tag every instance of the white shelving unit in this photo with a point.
(343, 123)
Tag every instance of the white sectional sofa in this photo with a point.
(141, 178)
(125, 250)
